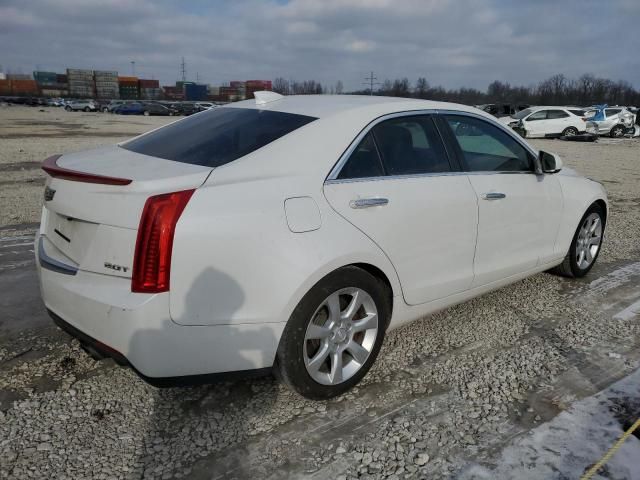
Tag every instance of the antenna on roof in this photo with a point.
(265, 96)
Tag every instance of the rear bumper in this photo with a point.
(136, 329)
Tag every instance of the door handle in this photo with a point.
(368, 202)
(493, 196)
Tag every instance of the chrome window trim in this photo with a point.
(335, 171)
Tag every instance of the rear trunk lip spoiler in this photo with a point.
(51, 166)
(52, 264)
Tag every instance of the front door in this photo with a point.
(399, 188)
(519, 211)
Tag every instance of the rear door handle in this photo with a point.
(493, 196)
(368, 202)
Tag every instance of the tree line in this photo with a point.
(556, 90)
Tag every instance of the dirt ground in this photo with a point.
(448, 396)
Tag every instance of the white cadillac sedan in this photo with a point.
(289, 234)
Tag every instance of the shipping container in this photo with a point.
(61, 78)
(24, 86)
(19, 76)
(149, 83)
(45, 77)
(53, 92)
(195, 92)
(5, 87)
(79, 71)
(105, 74)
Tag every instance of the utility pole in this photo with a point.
(371, 81)
(133, 68)
(183, 69)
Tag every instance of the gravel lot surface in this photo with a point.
(446, 396)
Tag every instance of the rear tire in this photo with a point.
(68, 109)
(617, 131)
(582, 255)
(334, 334)
(87, 109)
(570, 132)
(146, 113)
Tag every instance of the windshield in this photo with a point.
(522, 113)
(217, 136)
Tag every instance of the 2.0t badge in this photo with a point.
(48, 194)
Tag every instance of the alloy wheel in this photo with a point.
(340, 336)
(589, 240)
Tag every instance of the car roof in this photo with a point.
(322, 106)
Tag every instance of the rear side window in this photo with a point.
(612, 111)
(578, 113)
(411, 145)
(553, 114)
(218, 136)
(364, 162)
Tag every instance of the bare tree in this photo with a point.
(281, 86)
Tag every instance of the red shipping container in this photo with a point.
(24, 86)
(5, 87)
(149, 83)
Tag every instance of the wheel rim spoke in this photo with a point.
(595, 240)
(357, 351)
(336, 367)
(333, 304)
(319, 358)
(368, 322)
(317, 332)
(354, 306)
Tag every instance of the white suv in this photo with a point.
(84, 105)
(548, 122)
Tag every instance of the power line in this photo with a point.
(371, 81)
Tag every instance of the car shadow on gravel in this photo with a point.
(187, 424)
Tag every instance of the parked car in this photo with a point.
(547, 122)
(187, 108)
(112, 105)
(153, 108)
(612, 121)
(291, 233)
(129, 108)
(205, 105)
(84, 105)
(500, 110)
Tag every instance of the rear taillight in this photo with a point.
(152, 261)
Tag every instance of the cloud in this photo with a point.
(453, 43)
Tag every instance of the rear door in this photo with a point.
(399, 187)
(519, 211)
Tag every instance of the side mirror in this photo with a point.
(550, 162)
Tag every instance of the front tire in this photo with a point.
(334, 334)
(570, 132)
(146, 113)
(87, 109)
(585, 246)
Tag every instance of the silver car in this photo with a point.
(612, 121)
(84, 105)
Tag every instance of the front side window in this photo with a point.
(554, 114)
(217, 136)
(541, 115)
(577, 113)
(486, 148)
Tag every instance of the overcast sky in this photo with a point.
(453, 43)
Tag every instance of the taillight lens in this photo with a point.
(152, 262)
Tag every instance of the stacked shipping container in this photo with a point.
(128, 87)
(149, 89)
(51, 84)
(81, 83)
(107, 85)
(256, 86)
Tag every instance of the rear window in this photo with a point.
(218, 136)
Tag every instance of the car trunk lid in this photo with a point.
(94, 201)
